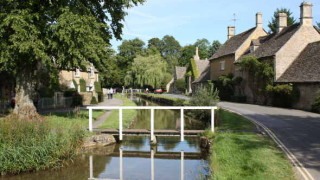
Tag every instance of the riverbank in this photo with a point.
(112, 121)
(244, 155)
(159, 98)
(46, 143)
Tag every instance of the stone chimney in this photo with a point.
(259, 20)
(282, 21)
(231, 31)
(196, 56)
(306, 14)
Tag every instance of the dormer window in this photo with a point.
(77, 73)
(222, 65)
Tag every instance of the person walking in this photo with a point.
(108, 93)
(111, 93)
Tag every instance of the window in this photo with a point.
(77, 74)
(222, 65)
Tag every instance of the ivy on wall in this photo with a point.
(82, 85)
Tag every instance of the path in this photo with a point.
(296, 132)
(106, 102)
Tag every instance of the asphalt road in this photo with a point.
(299, 131)
(296, 132)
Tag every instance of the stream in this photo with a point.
(134, 158)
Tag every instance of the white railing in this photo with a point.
(91, 177)
(152, 108)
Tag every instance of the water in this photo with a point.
(134, 158)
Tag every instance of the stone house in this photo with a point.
(179, 73)
(223, 61)
(90, 75)
(294, 52)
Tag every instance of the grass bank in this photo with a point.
(47, 143)
(112, 122)
(245, 155)
(163, 99)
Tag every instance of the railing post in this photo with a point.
(91, 167)
(120, 124)
(90, 120)
(152, 164)
(152, 124)
(182, 124)
(212, 119)
(182, 166)
(121, 164)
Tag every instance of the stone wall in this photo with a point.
(215, 71)
(308, 92)
(86, 98)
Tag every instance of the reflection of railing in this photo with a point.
(152, 154)
(152, 108)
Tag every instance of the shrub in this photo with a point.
(75, 84)
(316, 105)
(97, 87)
(83, 85)
(100, 97)
(179, 102)
(76, 97)
(283, 95)
(181, 85)
(94, 100)
(204, 96)
(226, 85)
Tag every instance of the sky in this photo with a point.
(189, 20)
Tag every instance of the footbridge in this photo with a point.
(151, 132)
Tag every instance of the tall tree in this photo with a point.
(186, 53)
(147, 71)
(273, 24)
(204, 48)
(170, 49)
(54, 34)
(214, 47)
(156, 42)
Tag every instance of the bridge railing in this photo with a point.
(152, 108)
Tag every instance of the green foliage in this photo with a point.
(83, 85)
(75, 84)
(31, 146)
(100, 97)
(316, 105)
(230, 121)
(204, 48)
(76, 97)
(283, 95)
(204, 96)
(194, 69)
(186, 53)
(167, 78)
(146, 71)
(97, 87)
(214, 47)
(273, 24)
(181, 85)
(226, 85)
(94, 100)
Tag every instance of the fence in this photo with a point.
(52, 103)
(152, 108)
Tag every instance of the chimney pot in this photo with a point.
(306, 14)
(282, 21)
(231, 31)
(259, 19)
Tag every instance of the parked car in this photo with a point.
(158, 91)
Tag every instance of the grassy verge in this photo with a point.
(37, 145)
(245, 155)
(164, 99)
(112, 122)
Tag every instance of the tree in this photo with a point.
(214, 47)
(156, 42)
(204, 48)
(186, 53)
(170, 49)
(146, 71)
(54, 34)
(273, 24)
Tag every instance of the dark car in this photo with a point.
(158, 91)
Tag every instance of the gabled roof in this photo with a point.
(231, 45)
(180, 72)
(205, 76)
(201, 65)
(306, 68)
(270, 44)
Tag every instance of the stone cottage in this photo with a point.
(294, 52)
(222, 62)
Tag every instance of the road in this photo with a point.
(296, 132)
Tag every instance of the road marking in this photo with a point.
(297, 164)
